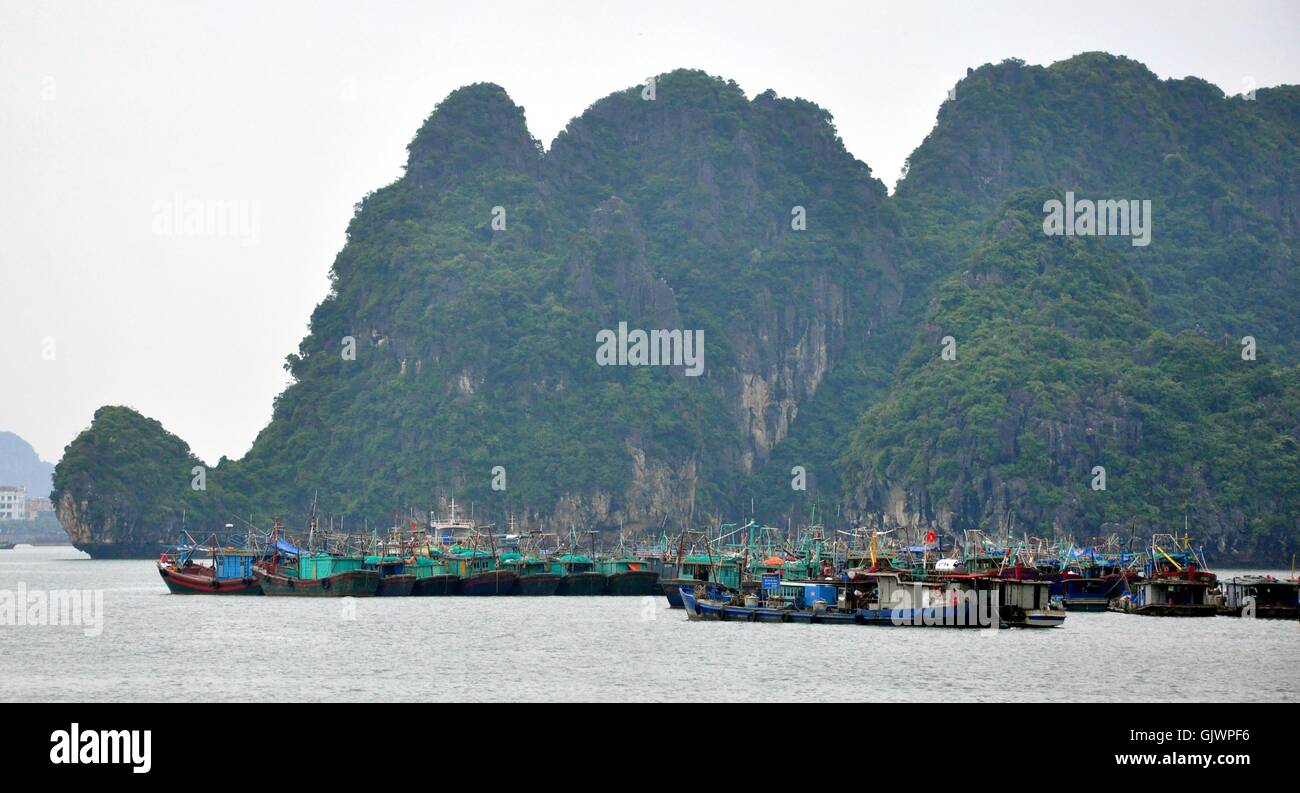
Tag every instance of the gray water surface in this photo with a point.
(157, 646)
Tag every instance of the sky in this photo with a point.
(285, 114)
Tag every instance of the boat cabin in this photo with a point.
(322, 565)
(1171, 592)
(570, 563)
(1261, 592)
(805, 594)
(234, 564)
(386, 565)
(1027, 595)
(465, 562)
(717, 570)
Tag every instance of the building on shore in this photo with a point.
(13, 502)
(38, 506)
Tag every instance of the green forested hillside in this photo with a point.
(473, 288)
(1059, 369)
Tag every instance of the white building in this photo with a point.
(13, 502)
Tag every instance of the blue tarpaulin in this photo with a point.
(284, 547)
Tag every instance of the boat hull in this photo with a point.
(537, 584)
(671, 589)
(493, 582)
(1265, 612)
(352, 583)
(436, 586)
(1163, 609)
(633, 583)
(395, 585)
(186, 584)
(1085, 604)
(577, 584)
(1039, 619)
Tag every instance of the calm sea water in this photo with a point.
(157, 646)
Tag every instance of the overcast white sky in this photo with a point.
(299, 109)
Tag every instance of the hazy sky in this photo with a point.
(110, 111)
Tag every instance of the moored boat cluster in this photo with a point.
(747, 572)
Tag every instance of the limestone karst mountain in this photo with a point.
(472, 291)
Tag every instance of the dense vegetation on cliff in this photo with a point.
(472, 291)
(1057, 374)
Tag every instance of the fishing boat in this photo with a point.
(533, 576)
(1175, 584)
(524, 555)
(229, 571)
(628, 576)
(478, 572)
(1087, 579)
(578, 575)
(294, 571)
(1166, 597)
(1260, 596)
(704, 570)
(318, 574)
(433, 576)
(424, 559)
(387, 557)
(394, 580)
(883, 599)
(1026, 603)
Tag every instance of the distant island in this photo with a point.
(26, 513)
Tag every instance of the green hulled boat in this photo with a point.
(394, 579)
(701, 570)
(317, 574)
(626, 575)
(433, 575)
(578, 575)
(479, 572)
(533, 574)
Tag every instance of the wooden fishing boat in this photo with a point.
(490, 582)
(1176, 583)
(628, 576)
(533, 576)
(1262, 597)
(232, 575)
(886, 598)
(229, 570)
(478, 573)
(394, 580)
(1026, 603)
(433, 576)
(435, 585)
(702, 571)
(1166, 598)
(317, 575)
(578, 575)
